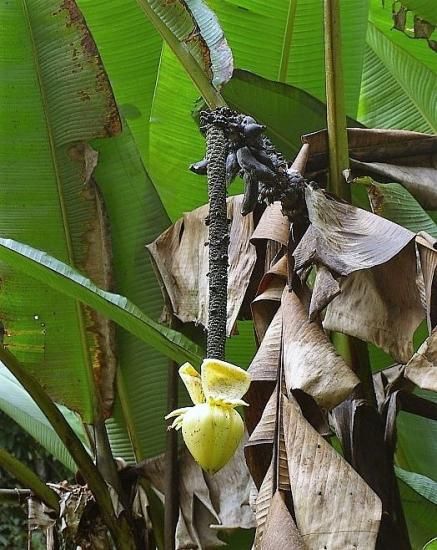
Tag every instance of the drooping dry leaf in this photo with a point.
(334, 507)
(310, 361)
(379, 300)
(259, 447)
(326, 288)
(422, 367)
(207, 503)
(181, 257)
(427, 248)
(374, 145)
(263, 501)
(273, 225)
(280, 530)
(345, 238)
(264, 365)
(380, 305)
(419, 180)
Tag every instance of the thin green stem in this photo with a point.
(336, 113)
(209, 93)
(119, 527)
(14, 497)
(286, 43)
(27, 478)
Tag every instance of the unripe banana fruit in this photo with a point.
(212, 429)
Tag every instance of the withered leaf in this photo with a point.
(380, 305)
(280, 530)
(310, 361)
(264, 365)
(273, 225)
(345, 238)
(325, 289)
(422, 367)
(181, 257)
(427, 246)
(334, 507)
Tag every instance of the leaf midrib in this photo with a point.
(65, 226)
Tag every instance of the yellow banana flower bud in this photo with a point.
(212, 429)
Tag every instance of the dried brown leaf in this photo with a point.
(310, 361)
(345, 238)
(181, 257)
(263, 501)
(325, 289)
(427, 246)
(280, 531)
(380, 305)
(334, 507)
(273, 225)
(422, 367)
(265, 364)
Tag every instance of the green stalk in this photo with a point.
(119, 527)
(338, 148)
(286, 43)
(209, 93)
(14, 497)
(27, 478)
(336, 114)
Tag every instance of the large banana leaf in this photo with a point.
(15, 402)
(399, 88)
(137, 217)
(55, 97)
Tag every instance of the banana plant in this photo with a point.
(96, 138)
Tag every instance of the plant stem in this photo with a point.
(218, 242)
(336, 113)
(286, 44)
(123, 536)
(14, 497)
(26, 477)
(171, 482)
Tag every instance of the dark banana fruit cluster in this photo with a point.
(252, 156)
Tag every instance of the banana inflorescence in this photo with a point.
(212, 429)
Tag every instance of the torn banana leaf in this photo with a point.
(181, 257)
(422, 367)
(379, 300)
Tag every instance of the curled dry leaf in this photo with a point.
(345, 238)
(379, 300)
(280, 530)
(422, 367)
(427, 248)
(181, 257)
(310, 361)
(264, 365)
(326, 288)
(334, 507)
(273, 225)
(380, 305)
(207, 503)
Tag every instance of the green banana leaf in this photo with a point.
(420, 513)
(67, 280)
(399, 88)
(257, 33)
(137, 429)
(426, 9)
(394, 202)
(55, 97)
(16, 403)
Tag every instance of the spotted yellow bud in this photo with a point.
(212, 429)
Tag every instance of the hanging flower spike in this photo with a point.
(212, 429)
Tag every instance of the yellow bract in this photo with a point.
(212, 429)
